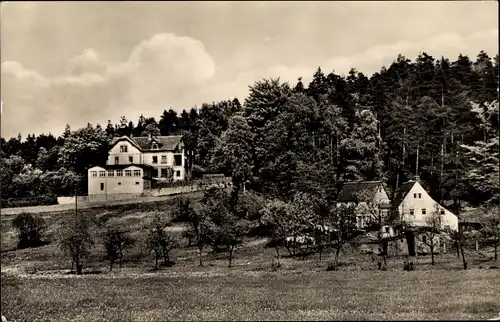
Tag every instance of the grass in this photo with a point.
(289, 295)
(36, 284)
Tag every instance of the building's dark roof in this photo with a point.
(351, 189)
(401, 192)
(123, 166)
(143, 143)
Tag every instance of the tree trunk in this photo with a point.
(230, 256)
(200, 249)
(457, 247)
(278, 253)
(156, 259)
(432, 252)
(79, 268)
(337, 254)
(110, 265)
(463, 256)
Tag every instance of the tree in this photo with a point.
(234, 153)
(490, 229)
(151, 130)
(361, 149)
(225, 229)
(431, 231)
(115, 242)
(369, 202)
(340, 225)
(158, 240)
(30, 229)
(197, 227)
(459, 237)
(76, 239)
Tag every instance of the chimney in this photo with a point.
(149, 136)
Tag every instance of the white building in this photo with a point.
(136, 164)
(415, 207)
(370, 198)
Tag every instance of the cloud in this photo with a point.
(160, 72)
(167, 70)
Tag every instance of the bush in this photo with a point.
(30, 228)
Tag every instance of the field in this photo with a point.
(36, 284)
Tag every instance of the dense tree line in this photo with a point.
(288, 139)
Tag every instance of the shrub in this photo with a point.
(30, 228)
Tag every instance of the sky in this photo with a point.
(79, 62)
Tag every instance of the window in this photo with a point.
(93, 173)
(137, 183)
(128, 173)
(131, 159)
(102, 173)
(154, 146)
(164, 173)
(111, 173)
(178, 159)
(119, 173)
(117, 160)
(424, 211)
(155, 159)
(137, 173)
(384, 213)
(163, 159)
(119, 183)
(446, 226)
(415, 195)
(412, 212)
(177, 174)
(442, 211)
(386, 229)
(102, 186)
(419, 196)
(123, 148)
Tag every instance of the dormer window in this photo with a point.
(154, 146)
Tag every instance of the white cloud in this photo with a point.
(161, 71)
(171, 71)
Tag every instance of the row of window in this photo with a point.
(424, 211)
(119, 173)
(177, 159)
(119, 183)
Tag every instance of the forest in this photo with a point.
(431, 115)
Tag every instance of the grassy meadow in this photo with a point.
(36, 284)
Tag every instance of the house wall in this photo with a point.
(107, 185)
(425, 202)
(132, 151)
(179, 172)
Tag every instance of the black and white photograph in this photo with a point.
(249, 160)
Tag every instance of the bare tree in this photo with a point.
(341, 227)
(115, 242)
(459, 237)
(76, 239)
(369, 203)
(197, 228)
(490, 229)
(431, 230)
(158, 240)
